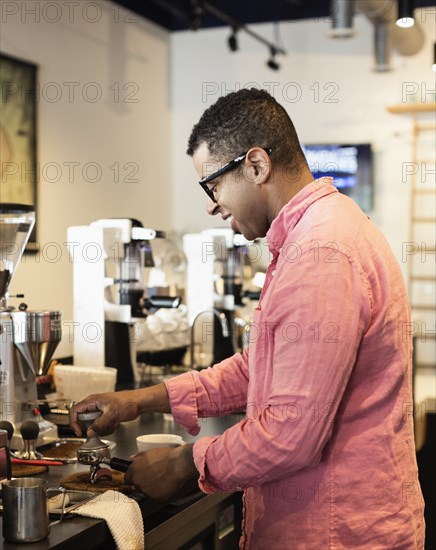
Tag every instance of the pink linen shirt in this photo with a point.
(325, 454)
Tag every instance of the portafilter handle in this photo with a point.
(120, 464)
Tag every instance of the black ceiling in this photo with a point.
(176, 15)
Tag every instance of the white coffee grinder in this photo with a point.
(27, 338)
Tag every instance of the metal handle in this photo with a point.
(85, 419)
(61, 491)
(88, 416)
(37, 462)
(162, 302)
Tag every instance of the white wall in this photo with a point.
(104, 46)
(350, 106)
(176, 77)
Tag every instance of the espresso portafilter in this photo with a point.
(94, 452)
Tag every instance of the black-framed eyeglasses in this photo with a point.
(226, 168)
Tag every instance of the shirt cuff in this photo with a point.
(199, 452)
(182, 394)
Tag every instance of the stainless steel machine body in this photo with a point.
(27, 338)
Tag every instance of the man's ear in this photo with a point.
(258, 165)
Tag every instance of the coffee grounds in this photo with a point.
(81, 481)
(67, 449)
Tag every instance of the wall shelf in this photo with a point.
(412, 108)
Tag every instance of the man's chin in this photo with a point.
(234, 226)
(236, 229)
(247, 235)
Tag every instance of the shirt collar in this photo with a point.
(290, 214)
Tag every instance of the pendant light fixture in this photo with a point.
(232, 40)
(342, 13)
(272, 63)
(405, 13)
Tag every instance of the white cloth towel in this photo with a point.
(123, 516)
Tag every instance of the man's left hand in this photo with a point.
(161, 472)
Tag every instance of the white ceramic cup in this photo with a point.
(152, 441)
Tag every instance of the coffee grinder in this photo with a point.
(27, 338)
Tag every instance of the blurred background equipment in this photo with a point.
(5, 457)
(74, 383)
(119, 284)
(220, 293)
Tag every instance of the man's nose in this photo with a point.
(212, 207)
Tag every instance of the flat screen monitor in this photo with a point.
(350, 165)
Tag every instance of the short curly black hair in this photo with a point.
(244, 119)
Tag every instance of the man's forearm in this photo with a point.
(152, 399)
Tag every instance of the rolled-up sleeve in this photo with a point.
(216, 391)
(313, 327)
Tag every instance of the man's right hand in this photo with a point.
(119, 407)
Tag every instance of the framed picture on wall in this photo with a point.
(18, 166)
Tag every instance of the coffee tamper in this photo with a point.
(29, 432)
(94, 452)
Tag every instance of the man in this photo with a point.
(325, 454)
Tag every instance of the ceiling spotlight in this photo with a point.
(272, 63)
(405, 13)
(232, 41)
(197, 11)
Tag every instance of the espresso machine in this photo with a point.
(110, 259)
(221, 283)
(27, 338)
